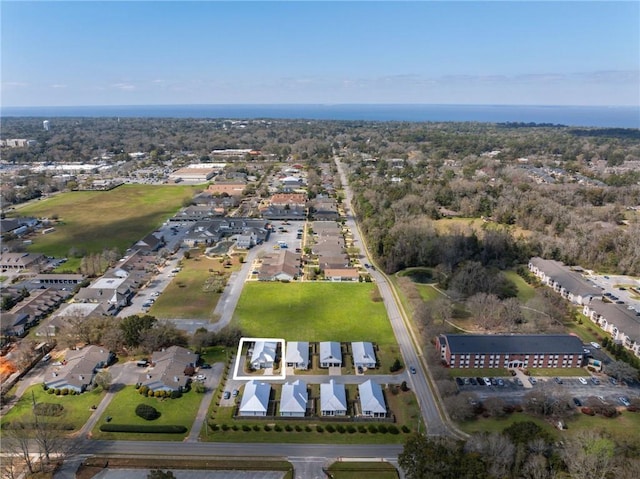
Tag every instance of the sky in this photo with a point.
(75, 53)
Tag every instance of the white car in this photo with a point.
(200, 377)
(595, 345)
(582, 381)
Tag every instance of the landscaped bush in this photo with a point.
(51, 391)
(588, 411)
(362, 429)
(330, 428)
(48, 409)
(246, 428)
(256, 427)
(57, 392)
(65, 392)
(307, 428)
(277, 428)
(298, 428)
(176, 394)
(144, 428)
(393, 429)
(267, 427)
(235, 427)
(143, 390)
(406, 429)
(372, 428)
(288, 428)
(225, 427)
(319, 428)
(214, 426)
(351, 429)
(147, 412)
(341, 429)
(382, 428)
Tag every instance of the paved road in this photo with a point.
(412, 357)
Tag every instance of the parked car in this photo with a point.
(226, 395)
(205, 366)
(494, 382)
(613, 381)
(466, 381)
(595, 381)
(518, 381)
(487, 381)
(500, 382)
(200, 377)
(595, 345)
(624, 401)
(582, 381)
(557, 380)
(473, 381)
(235, 393)
(480, 381)
(459, 381)
(577, 402)
(532, 380)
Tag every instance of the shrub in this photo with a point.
(319, 428)
(147, 412)
(246, 428)
(393, 429)
(65, 392)
(588, 411)
(225, 427)
(341, 429)
(176, 394)
(57, 393)
(372, 428)
(330, 428)
(235, 427)
(256, 427)
(48, 409)
(144, 428)
(277, 428)
(288, 428)
(406, 429)
(143, 390)
(298, 428)
(267, 427)
(51, 391)
(159, 394)
(150, 393)
(362, 429)
(351, 429)
(214, 426)
(382, 428)
(308, 428)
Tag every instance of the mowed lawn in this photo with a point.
(122, 410)
(95, 220)
(314, 312)
(77, 409)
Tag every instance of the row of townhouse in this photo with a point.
(330, 248)
(250, 231)
(621, 321)
(30, 311)
(294, 400)
(282, 265)
(297, 355)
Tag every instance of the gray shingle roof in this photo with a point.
(514, 344)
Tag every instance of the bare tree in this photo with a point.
(15, 444)
(589, 455)
(497, 450)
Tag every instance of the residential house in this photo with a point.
(55, 279)
(170, 369)
(280, 266)
(264, 354)
(325, 209)
(363, 354)
(62, 318)
(330, 354)
(510, 350)
(297, 355)
(341, 274)
(255, 399)
(294, 399)
(22, 261)
(80, 367)
(333, 399)
(39, 304)
(149, 243)
(13, 324)
(372, 403)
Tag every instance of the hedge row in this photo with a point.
(144, 428)
(350, 429)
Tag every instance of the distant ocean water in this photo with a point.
(588, 116)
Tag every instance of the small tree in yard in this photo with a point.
(147, 412)
(158, 474)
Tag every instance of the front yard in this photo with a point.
(181, 412)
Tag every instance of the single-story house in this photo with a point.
(363, 354)
(341, 274)
(372, 403)
(294, 399)
(333, 399)
(255, 399)
(169, 369)
(330, 354)
(80, 368)
(264, 354)
(297, 355)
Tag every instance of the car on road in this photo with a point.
(624, 401)
(412, 369)
(205, 366)
(582, 381)
(557, 380)
(577, 402)
(226, 395)
(595, 345)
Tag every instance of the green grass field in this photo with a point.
(181, 411)
(355, 470)
(314, 312)
(94, 220)
(187, 295)
(525, 290)
(77, 409)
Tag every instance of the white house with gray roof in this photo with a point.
(333, 399)
(255, 399)
(363, 354)
(330, 354)
(372, 403)
(294, 399)
(263, 354)
(297, 355)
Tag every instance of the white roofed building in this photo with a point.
(294, 399)
(255, 399)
